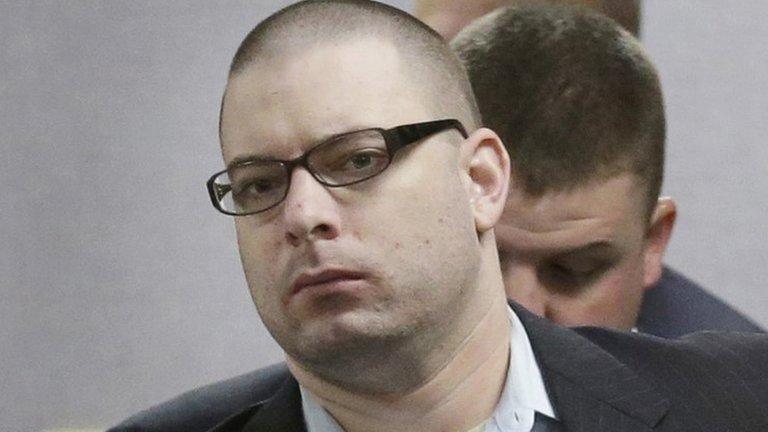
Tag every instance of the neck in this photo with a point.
(460, 395)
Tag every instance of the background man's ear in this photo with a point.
(486, 166)
(657, 239)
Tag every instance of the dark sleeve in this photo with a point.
(679, 306)
(204, 407)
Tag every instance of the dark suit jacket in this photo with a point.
(598, 380)
(677, 306)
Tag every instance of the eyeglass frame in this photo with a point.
(395, 139)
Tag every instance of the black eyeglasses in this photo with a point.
(257, 185)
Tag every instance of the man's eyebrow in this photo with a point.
(250, 157)
(596, 246)
(239, 160)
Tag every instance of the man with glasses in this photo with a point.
(365, 194)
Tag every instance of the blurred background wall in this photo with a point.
(120, 285)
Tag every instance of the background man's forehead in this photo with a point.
(619, 197)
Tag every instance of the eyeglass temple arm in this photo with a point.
(408, 134)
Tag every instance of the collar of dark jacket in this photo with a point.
(582, 379)
(575, 370)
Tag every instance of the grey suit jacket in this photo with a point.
(598, 380)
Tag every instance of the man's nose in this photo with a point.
(310, 211)
(522, 285)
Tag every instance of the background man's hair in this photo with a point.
(431, 64)
(572, 95)
(625, 12)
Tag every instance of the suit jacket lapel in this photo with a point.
(281, 413)
(589, 388)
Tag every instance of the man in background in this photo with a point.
(587, 143)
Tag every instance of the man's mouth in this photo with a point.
(324, 278)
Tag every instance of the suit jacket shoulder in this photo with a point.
(724, 370)
(677, 306)
(603, 380)
(598, 380)
(282, 412)
(204, 407)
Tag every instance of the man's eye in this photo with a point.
(581, 274)
(503, 256)
(363, 159)
(561, 271)
(256, 187)
(261, 186)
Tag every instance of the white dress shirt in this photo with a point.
(524, 393)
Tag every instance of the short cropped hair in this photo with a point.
(573, 96)
(625, 12)
(431, 64)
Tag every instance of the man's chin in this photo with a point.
(350, 334)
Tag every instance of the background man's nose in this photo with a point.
(310, 211)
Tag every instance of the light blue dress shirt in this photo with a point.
(524, 393)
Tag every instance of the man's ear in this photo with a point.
(485, 170)
(657, 238)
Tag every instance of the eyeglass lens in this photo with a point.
(259, 185)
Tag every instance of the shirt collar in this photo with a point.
(315, 416)
(524, 393)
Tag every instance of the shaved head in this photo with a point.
(433, 69)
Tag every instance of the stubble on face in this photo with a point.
(409, 231)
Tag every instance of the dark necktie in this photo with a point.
(542, 423)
